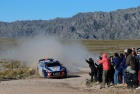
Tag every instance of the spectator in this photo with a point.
(130, 62)
(133, 51)
(131, 70)
(93, 72)
(116, 61)
(122, 67)
(138, 57)
(99, 71)
(110, 74)
(106, 65)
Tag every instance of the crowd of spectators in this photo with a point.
(120, 68)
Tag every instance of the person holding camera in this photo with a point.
(93, 72)
(106, 66)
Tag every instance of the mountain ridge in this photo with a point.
(114, 25)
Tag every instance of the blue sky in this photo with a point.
(13, 10)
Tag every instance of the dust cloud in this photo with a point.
(71, 54)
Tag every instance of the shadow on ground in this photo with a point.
(73, 76)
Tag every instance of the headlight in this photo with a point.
(62, 69)
(48, 70)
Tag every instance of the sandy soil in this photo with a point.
(74, 84)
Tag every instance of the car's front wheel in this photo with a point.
(41, 73)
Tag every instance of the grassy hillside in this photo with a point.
(6, 43)
(99, 46)
(110, 46)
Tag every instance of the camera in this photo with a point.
(99, 58)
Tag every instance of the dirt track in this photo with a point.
(74, 84)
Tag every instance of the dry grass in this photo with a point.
(110, 46)
(100, 46)
(16, 74)
(7, 43)
(12, 69)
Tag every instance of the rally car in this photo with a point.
(50, 68)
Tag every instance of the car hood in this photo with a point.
(55, 68)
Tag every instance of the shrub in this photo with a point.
(12, 69)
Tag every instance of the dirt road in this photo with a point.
(74, 84)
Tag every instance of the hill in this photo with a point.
(119, 24)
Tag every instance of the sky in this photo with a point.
(18, 10)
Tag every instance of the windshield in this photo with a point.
(51, 64)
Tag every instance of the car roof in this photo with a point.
(46, 59)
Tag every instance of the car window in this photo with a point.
(41, 64)
(51, 64)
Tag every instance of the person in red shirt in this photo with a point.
(106, 66)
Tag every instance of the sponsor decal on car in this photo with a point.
(55, 68)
